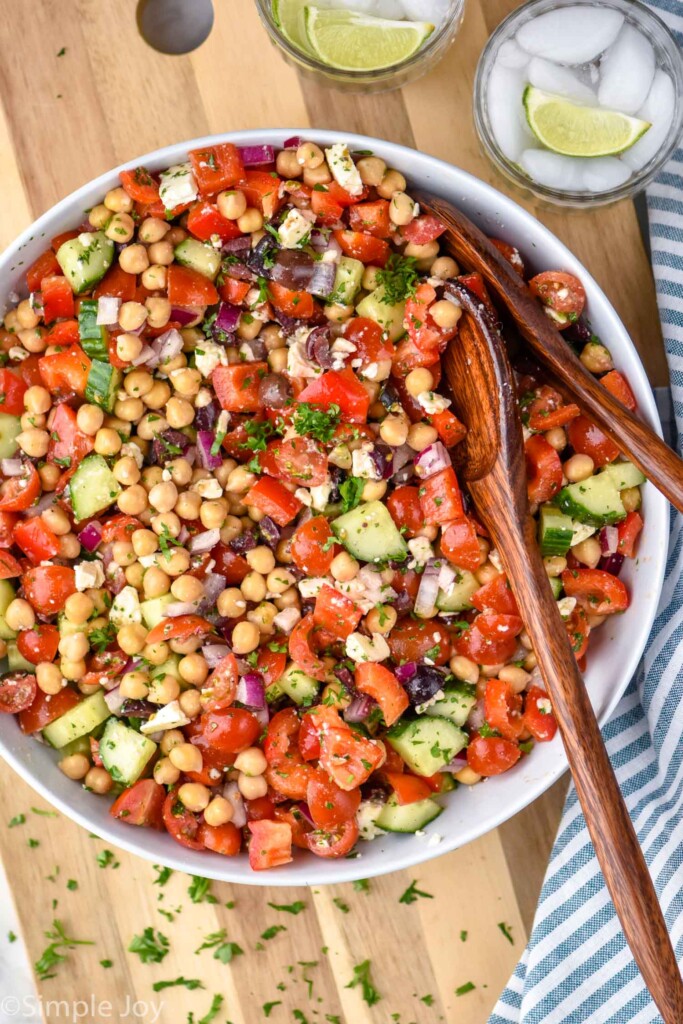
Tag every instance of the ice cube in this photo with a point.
(557, 79)
(434, 11)
(510, 55)
(603, 173)
(658, 108)
(571, 35)
(552, 169)
(626, 72)
(391, 9)
(506, 112)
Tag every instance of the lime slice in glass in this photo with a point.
(568, 128)
(289, 18)
(348, 41)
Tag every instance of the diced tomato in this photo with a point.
(270, 845)
(65, 236)
(221, 734)
(225, 839)
(259, 808)
(64, 332)
(538, 716)
(629, 529)
(58, 299)
(364, 247)
(10, 568)
(271, 664)
(326, 208)
(597, 591)
(46, 708)
(229, 564)
(297, 304)
(120, 527)
(503, 709)
(281, 736)
(45, 266)
(29, 370)
(329, 805)
(578, 631)
(408, 356)
(423, 229)
(220, 688)
(180, 628)
(117, 283)
(38, 644)
(543, 469)
(349, 758)
(182, 824)
(423, 330)
(562, 295)
(411, 639)
(483, 650)
(618, 386)
(301, 648)
(383, 686)
(293, 817)
(405, 509)
(409, 789)
(47, 587)
(8, 520)
(547, 410)
(12, 391)
(337, 842)
(141, 804)
(336, 613)
(448, 426)
(233, 291)
(308, 739)
(17, 692)
(36, 540)
(273, 499)
(371, 218)
(587, 439)
(68, 445)
(440, 497)
(205, 221)
(188, 287)
(237, 386)
(66, 371)
(341, 388)
(496, 596)
(492, 755)
(217, 167)
(298, 460)
(371, 343)
(460, 544)
(19, 492)
(474, 282)
(511, 254)
(495, 626)
(312, 547)
(140, 185)
(262, 190)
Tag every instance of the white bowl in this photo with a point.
(614, 651)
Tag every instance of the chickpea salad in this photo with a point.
(242, 591)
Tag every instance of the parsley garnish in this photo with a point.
(464, 989)
(361, 885)
(486, 730)
(289, 908)
(398, 279)
(214, 1009)
(269, 1007)
(18, 819)
(312, 421)
(224, 950)
(351, 490)
(258, 431)
(339, 902)
(151, 946)
(52, 957)
(166, 540)
(102, 637)
(163, 874)
(199, 890)
(412, 893)
(274, 930)
(505, 929)
(190, 983)
(361, 976)
(105, 858)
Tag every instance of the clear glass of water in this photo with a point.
(446, 15)
(645, 81)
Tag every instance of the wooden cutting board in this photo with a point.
(64, 119)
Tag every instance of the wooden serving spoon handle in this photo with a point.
(635, 439)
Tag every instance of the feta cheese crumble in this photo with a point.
(433, 403)
(177, 185)
(343, 169)
(125, 608)
(208, 355)
(363, 648)
(89, 575)
(170, 716)
(362, 463)
(294, 229)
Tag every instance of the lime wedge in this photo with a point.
(289, 18)
(568, 128)
(348, 41)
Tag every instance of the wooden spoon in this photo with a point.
(470, 246)
(491, 460)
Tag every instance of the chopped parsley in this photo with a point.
(224, 950)
(214, 1010)
(151, 946)
(274, 930)
(464, 989)
(506, 930)
(189, 983)
(361, 885)
(412, 894)
(166, 541)
(105, 858)
(163, 874)
(339, 902)
(398, 279)
(312, 421)
(258, 433)
(18, 819)
(199, 890)
(54, 954)
(289, 908)
(269, 1007)
(361, 976)
(102, 637)
(351, 490)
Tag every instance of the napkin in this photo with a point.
(577, 967)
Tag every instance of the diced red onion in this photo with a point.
(114, 700)
(112, 682)
(405, 672)
(178, 608)
(191, 454)
(91, 536)
(257, 156)
(46, 501)
(323, 278)
(609, 540)
(108, 307)
(251, 690)
(431, 460)
(447, 576)
(166, 347)
(612, 563)
(403, 455)
(319, 240)
(184, 534)
(12, 467)
(205, 541)
(182, 315)
(35, 300)
(205, 441)
(359, 708)
(425, 602)
(214, 584)
(214, 654)
(227, 318)
(456, 764)
(233, 795)
(146, 354)
(286, 619)
(305, 812)
(292, 143)
(477, 716)
(270, 532)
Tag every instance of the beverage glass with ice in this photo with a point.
(595, 63)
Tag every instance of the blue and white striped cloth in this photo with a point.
(577, 968)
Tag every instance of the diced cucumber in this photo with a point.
(16, 661)
(456, 704)
(167, 668)
(390, 318)
(68, 628)
(459, 595)
(200, 257)
(7, 595)
(273, 692)
(555, 585)
(10, 426)
(555, 531)
(86, 259)
(624, 475)
(369, 533)
(125, 753)
(594, 501)
(427, 744)
(298, 686)
(79, 746)
(103, 384)
(395, 817)
(154, 609)
(348, 279)
(93, 336)
(78, 721)
(93, 487)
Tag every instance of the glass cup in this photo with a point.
(667, 58)
(381, 80)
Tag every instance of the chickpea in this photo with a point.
(137, 383)
(20, 615)
(370, 280)
(393, 181)
(231, 603)
(263, 616)
(48, 677)
(122, 552)
(231, 528)
(155, 582)
(179, 412)
(188, 505)
(164, 690)
(193, 669)
(631, 498)
(444, 267)
(420, 436)
(107, 441)
(78, 608)
(158, 309)
(98, 780)
(309, 155)
(161, 253)
(150, 425)
(287, 165)
(126, 471)
(165, 773)
(33, 340)
(288, 599)
(253, 587)
(578, 467)
(132, 315)
(173, 738)
(250, 220)
(186, 757)
(99, 216)
(131, 637)
(163, 496)
(213, 513)
(401, 209)
(337, 313)
(245, 638)
(486, 573)
(128, 347)
(73, 670)
(231, 204)
(372, 170)
(194, 796)
(344, 567)
(251, 761)
(120, 228)
(463, 668)
(134, 259)
(186, 382)
(57, 521)
(556, 438)
(588, 552)
(252, 788)
(176, 562)
(49, 476)
(445, 314)
(134, 685)
(190, 702)
(419, 380)
(180, 470)
(153, 229)
(374, 490)
(218, 812)
(261, 559)
(467, 776)
(74, 647)
(516, 677)
(382, 619)
(154, 278)
(118, 201)
(277, 360)
(34, 442)
(279, 580)
(394, 429)
(596, 358)
(75, 766)
(151, 476)
(317, 175)
(240, 480)
(155, 654)
(144, 542)
(554, 565)
(37, 400)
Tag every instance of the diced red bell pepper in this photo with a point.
(597, 591)
(548, 410)
(336, 613)
(362, 246)
(270, 845)
(475, 283)
(58, 299)
(60, 239)
(440, 497)
(543, 469)
(45, 266)
(383, 686)
(628, 530)
(298, 304)
(618, 386)
(217, 167)
(188, 287)
(408, 356)
(66, 371)
(140, 185)
(205, 221)
(233, 291)
(12, 391)
(237, 386)
(274, 500)
(64, 332)
(36, 539)
(340, 388)
(117, 283)
(262, 189)
(450, 429)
